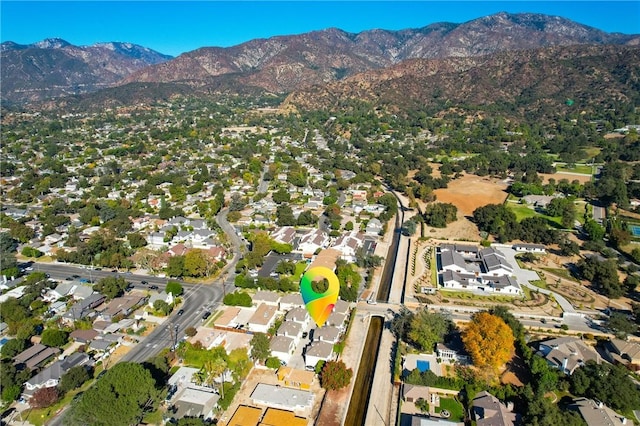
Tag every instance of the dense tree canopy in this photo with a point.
(608, 383)
(439, 215)
(603, 274)
(335, 375)
(489, 341)
(427, 329)
(121, 396)
(260, 347)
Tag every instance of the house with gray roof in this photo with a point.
(624, 352)
(327, 334)
(290, 329)
(452, 261)
(83, 308)
(35, 356)
(466, 268)
(282, 347)
(341, 307)
(487, 410)
(291, 301)
(530, 248)
(317, 351)
(270, 298)
(282, 397)
(51, 375)
(299, 315)
(503, 285)
(195, 402)
(337, 319)
(596, 413)
(567, 353)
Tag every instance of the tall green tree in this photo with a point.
(260, 347)
(120, 397)
(174, 288)
(427, 329)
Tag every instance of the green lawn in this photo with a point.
(300, 267)
(452, 406)
(434, 269)
(39, 416)
(540, 283)
(523, 212)
(471, 296)
(578, 168)
(561, 273)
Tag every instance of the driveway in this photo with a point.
(523, 276)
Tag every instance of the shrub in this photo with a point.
(273, 362)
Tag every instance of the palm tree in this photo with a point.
(214, 368)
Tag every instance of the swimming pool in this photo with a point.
(635, 230)
(422, 365)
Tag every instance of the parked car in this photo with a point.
(144, 282)
(153, 287)
(206, 315)
(181, 311)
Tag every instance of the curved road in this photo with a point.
(197, 299)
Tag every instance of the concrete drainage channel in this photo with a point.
(357, 412)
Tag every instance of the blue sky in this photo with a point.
(177, 27)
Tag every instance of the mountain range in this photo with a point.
(305, 64)
(53, 67)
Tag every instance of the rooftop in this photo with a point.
(281, 397)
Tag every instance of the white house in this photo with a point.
(336, 319)
(163, 295)
(262, 319)
(327, 334)
(318, 351)
(374, 227)
(282, 347)
(312, 241)
(494, 262)
(290, 329)
(452, 261)
(348, 243)
(284, 235)
(51, 375)
(291, 301)
(530, 248)
(298, 315)
(506, 285)
(449, 354)
(469, 269)
(156, 239)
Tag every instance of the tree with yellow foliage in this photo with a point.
(489, 341)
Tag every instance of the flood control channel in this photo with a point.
(357, 412)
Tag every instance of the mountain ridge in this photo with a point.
(54, 67)
(281, 64)
(285, 63)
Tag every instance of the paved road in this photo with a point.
(599, 213)
(523, 276)
(263, 186)
(197, 299)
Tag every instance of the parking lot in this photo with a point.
(272, 260)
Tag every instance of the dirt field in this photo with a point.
(470, 192)
(466, 193)
(461, 229)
